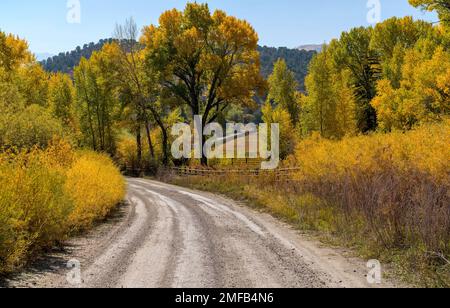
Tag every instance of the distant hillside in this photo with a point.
(66, 61)
(311, 47)
(297, 60)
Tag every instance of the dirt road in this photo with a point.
(175, 237)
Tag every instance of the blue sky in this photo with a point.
(287, 23)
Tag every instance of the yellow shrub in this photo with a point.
(426, 149)
(95, 186)
(33, 206)
(397, 184)
(126, 155)
(44, 194)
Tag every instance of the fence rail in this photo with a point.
(189, 171)
(281, 174)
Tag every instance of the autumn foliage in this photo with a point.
(45, 195)
(385, 195)
(369, 134)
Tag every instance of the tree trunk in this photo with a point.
(204, 159)
(149, 139)
(139, 149)
(91, 127)
(165, 137)
(165, 142)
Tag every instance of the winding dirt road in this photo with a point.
(176, 237)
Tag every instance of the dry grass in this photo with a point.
(46, 194)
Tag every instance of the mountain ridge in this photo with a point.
(311, 47)
(296, 60)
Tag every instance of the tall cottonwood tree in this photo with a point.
(330, 105)
(96, 103)
(318, 109)
(128, 62)
(353, 53)
(392, 38)
(138, 87)
(207, 61)
(283, 90)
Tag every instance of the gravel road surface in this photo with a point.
(168, 236)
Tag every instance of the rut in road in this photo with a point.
(181, 238)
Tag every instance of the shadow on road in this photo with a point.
(55, 259)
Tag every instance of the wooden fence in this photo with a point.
(190, 171)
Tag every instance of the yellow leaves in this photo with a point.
(216, 53)
(219, 16)
(423, 95)
(45, 194)
(189, 42)
(33, 126)
(430, 77)
(95, 187)
(235, 32)
(197, 15)
(33, 84)
(385, 104)
(170, 22)
(425, 150)
(330, 107)
(288, 133)
(443, 83)
(397, 31)
(61, 98)
(13, 52)
(111, 51)
(152, 37)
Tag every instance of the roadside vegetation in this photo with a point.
(386, 196)
(48, 194)
(51, 185)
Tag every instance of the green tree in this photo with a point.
(139, 87)
(61, 99)
(282, 90)
(319, 108)
(96, 103)
(391, 38)
(288, 136)
(353, 53)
